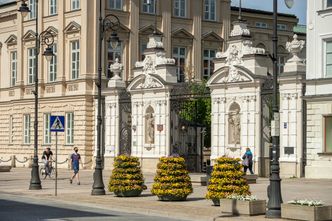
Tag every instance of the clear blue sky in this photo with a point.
(299, 9)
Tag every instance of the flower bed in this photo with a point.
(127, 178)
(226, 179)
(306, 210)
(243, 205)
(172, 181)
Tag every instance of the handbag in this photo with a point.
(245, 162)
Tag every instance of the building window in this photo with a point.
(52, 70)
(13, 68)
(26, 128)
(328, 59)
(281, 64)
(328, 134)
(179, 54)
(142, 49)
(180, 8)
(47, 132)
(75, 4)
(53, 7)
(260, 25)
(208, 65)
(149, 6)
(113, 54)
(31, 65)
(282, 27)
(328, 3)
(32, 7)
(75, 59)
(69, 128)
(210, 10)
(115, 4)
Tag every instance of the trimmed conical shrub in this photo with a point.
(227, 179)
(127, 178)
(172, 181)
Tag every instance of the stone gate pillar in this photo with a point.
(112, 112)
(236, 96)
(291, 84)
(150, 95)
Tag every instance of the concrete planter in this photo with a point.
(240, 207)
(312, 213)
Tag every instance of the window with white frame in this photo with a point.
(261, 25)
(328, 3)
(26, 128)
(69, 128)
(32, 6)
(75, 59)
(210, 10)
(53, 7)
(31, 65)
(180, 8)
(112, 54)
(52, 68)
(179, 54)
(282, 27)
(208, 65)
(13, 68)
(149, 6)
(75, 4)
(115, 4)
(328, 58)
(47, 132)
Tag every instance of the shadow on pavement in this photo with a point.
(18, 211)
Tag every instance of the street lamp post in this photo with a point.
(110, 22)
(44, 38)
(274, 189)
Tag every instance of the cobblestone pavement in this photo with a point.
(196, 207)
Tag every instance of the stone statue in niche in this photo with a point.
(149, 126)
(234, 125)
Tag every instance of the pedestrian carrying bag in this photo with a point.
(245, 162)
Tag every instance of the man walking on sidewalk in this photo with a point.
(75, 164)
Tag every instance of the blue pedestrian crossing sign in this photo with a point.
(57, 124)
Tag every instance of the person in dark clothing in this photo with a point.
(247, 161)
(75, 163)
(47, 158)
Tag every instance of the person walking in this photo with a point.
(247, 161)
(75, 164)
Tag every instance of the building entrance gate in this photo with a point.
(190, 115)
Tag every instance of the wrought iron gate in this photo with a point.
(125, 123)
(190, 123)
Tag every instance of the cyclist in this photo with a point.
(47, 158)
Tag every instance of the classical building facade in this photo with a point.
(193, 31)
(318, 90)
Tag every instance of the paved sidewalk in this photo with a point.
(195, 208)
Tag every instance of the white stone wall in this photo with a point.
(291, 125)
(249, 101)
(160, 104)
(318, 164)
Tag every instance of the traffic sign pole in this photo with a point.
(56, 163)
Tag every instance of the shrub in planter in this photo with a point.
(172, 181)
(127, 178)
(226, 179)
(306, 210)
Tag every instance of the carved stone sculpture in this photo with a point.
(149, 128)
(116, 68)
(234, 126)
(295, 47)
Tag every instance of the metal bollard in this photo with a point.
(13, 163)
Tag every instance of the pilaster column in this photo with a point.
(134, 34)
(226, 20)
(61, 75)
(197, 41)
(166, 7)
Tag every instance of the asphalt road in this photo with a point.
(17, 208)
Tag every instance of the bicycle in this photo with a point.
(51, 172)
